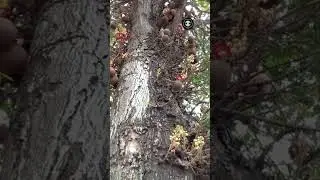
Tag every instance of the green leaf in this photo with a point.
(203, 5)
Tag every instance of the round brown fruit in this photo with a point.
(166, 32)
(192, 51)
(113, 25)
(112, 72)
(14, 62)
(163, 21)
(169, 16)
(190, 40)
(165, 38)
(165, 11)
(114, 81)
(8, 34)
(125, 19)
(177, 85)
(173, 13)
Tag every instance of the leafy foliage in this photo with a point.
(203, 5)
(291, 58)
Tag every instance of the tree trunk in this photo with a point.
(145, 109)
(61, 131)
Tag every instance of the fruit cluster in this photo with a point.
(13, 57)
(167, 17)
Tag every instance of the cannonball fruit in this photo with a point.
(14, 62)
(177, 85)
(166, 32)
(114, 80)
(113, 25)
(192, 51)
(125, 19)
(112, 72)
(8, 34)
(173, 13)
(165, 38)
(163, 21)
(190, 40)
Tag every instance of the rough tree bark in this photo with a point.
(61, 131)
(145, 111)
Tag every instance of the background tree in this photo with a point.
(276, 132)
(61, 125)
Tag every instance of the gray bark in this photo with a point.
(61, 131)
(145, 110)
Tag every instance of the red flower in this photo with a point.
(122, 37)
(181, 77)
(119, 36)
(221, 49)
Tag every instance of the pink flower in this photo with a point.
(181, 77)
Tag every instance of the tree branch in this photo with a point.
(243, 115)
